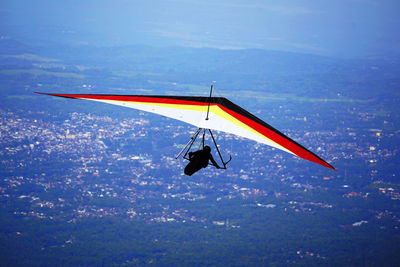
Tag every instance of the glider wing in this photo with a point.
(223, 115)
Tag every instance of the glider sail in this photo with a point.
(222, 114)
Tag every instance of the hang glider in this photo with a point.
(213, 113)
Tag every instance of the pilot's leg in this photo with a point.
(192, 167)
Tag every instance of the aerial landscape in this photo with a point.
(84, 183)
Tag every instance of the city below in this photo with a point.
(92, 166)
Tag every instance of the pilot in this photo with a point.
(199, 159)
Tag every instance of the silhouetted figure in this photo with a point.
(199, 159)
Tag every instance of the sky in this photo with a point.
(343, 28)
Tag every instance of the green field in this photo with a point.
(38, 72)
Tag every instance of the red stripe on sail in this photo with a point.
(279, 139)
(133, 99)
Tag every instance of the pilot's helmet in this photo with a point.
(207, 149)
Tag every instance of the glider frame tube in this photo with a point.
(190, 143)
(219, 153)
(193, 139)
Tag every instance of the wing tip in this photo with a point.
(329, 166)
(41, 93)
(59, 95)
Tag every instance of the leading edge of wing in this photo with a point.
(201, 100)
(226, 105)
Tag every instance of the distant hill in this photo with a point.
(158, 69)
(11, 47)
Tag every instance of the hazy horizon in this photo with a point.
(346, 28)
